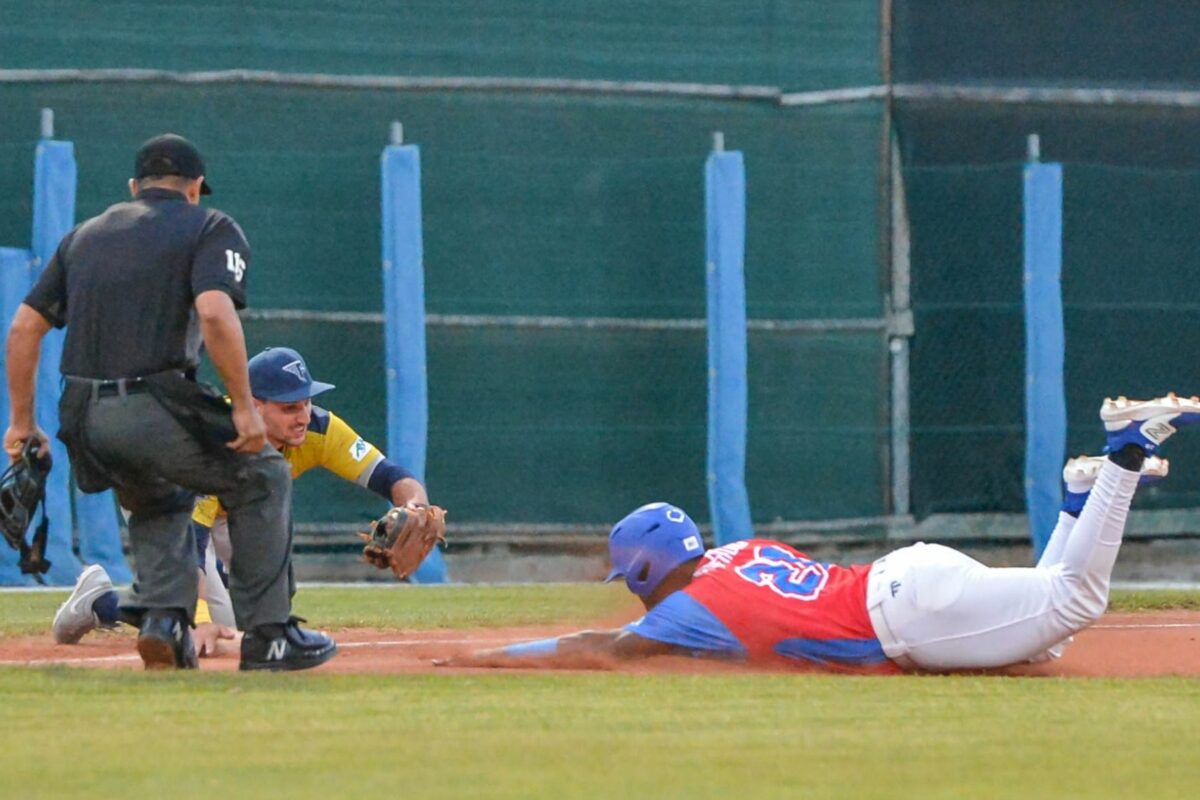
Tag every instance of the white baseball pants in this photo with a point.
(936, 608)
(220, 607)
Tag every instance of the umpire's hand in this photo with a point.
(16, 436)
(252, 432)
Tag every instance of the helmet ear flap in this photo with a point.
(644, 572)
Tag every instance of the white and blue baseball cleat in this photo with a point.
(1146, 423)
(1080, 473)
(76, 616)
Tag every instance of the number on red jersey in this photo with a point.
(785, 573)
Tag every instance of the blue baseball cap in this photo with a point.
(280, 374)
(650, 542)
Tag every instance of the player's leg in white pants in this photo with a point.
(1051, 555)
(219, 539)
(1058, 540)
(948, 611)
(220, 607)
(1079, 477)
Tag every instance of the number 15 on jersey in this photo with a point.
(235, 264)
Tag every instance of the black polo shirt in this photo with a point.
(125, 282)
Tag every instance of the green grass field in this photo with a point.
(93, 733)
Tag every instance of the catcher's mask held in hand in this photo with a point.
(401, 538)
(22, 487)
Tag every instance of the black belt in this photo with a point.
(118, 387)
(121, 386)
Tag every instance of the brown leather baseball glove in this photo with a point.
(401, 538)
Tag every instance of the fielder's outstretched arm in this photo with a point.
(612, 644)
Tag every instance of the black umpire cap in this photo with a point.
(170, 154)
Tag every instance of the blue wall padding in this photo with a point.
(404, 326)
(1045, 394)
(15, 266)
(53, 217)
(725, 222)
(99, 534)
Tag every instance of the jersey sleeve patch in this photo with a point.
(359, 449)
(341, 450)
(221, 259)
(681, 620)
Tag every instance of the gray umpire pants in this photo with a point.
(161, 469)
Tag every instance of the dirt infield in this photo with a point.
(1120, 645)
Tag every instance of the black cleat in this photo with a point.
(165, 642)
(285, 646)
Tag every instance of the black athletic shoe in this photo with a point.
(285, 647)
(165, 642)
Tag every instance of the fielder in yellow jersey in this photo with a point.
(333, 445)
(308, 436)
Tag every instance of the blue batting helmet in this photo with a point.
(651, 542)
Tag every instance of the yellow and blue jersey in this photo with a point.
(331, 444)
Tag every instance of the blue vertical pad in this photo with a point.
(15, 268)
(404, 323)
(1045, 395)
(725, 223)
(53, 217)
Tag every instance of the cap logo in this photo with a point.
(296, 368)
(675, 514)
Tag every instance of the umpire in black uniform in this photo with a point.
(141, 288)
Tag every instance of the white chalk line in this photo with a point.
(45, 662)
(38, 662)
(407, 642)
(1146, 626)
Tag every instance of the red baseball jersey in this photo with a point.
(763, 600)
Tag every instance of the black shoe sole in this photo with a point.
(289, 665)
(156, 653)
(160, 654)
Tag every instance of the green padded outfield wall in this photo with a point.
(1130, 238)
(1130, 245)
(1078, 43)
(796, 44)
(564, 205)
(967, 354)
